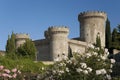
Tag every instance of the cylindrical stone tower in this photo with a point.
(20, 39)
(92, 23)
(58, 42)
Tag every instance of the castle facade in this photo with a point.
(56, 42)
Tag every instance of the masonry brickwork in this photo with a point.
(56, 42)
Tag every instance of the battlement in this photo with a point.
(61, 29)
(89, 14)
(21, 36)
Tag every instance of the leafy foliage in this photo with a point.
(116, 38)
(25, 65)
(91, 65)
(108, 37)
(27, 50)
(98, 41)
(10, 46)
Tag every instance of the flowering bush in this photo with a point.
(8, 74)
(91, 65)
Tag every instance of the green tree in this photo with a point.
(118, 28)
(27, 49)
(98, 41)
(10, 46)
(114, 35)
(116, 38)
(108, 37)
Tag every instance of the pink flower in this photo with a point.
(14, 75)
(14, 70)
(1, 67)
(7, 70)
(5, 75)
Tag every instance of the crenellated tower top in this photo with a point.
(92, 14)
(21, 39)
(61, 29)
(92, 23)
(22, 36)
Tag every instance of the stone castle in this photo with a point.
(56, 42)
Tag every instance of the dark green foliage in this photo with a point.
(114, 35)
(108, 36)
(118, 27)
(10, 46)
(116, 38)
(27, 49)
(98, 41)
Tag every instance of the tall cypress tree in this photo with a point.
(98, 41)
(10, 46)
(108, 37)
(114, 35)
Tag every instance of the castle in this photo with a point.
(56, 42)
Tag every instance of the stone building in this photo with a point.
(20, 39)
(56, 42)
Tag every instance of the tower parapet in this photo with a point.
(92, 14)
(58, 41)
(92, 23)
(20, 39)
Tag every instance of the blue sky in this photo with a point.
(35, 16)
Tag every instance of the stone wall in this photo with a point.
(77, 46)
(20, 39)
(43, 50)
(58, 41)
(92, 23)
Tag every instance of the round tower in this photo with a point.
(92, 23)
(20, 39)
(58, 42)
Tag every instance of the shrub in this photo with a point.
(92, 65)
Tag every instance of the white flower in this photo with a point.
(62, 64)
(69, 61)
(110, 70)
(78, 70)
(88, 55)
(85, 72)
(98, 59)
(104, 57)
(64, 57)
(95, 53)
(83, 65)
(61, 71)
(107, 53)
(91, 46)
(57, 59)
(54, 72)
(73, 59)
(112, 60)
(108, 77)
(98, 72)
(42, 68)
(67, 70)
(89, 69)
(98, 48)
(106, 50)
(103, 71)
(111, 66)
